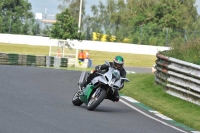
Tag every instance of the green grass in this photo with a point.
(24, 49)
(142, 88)
(98, 57)
(140, 60)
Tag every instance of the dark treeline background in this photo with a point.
(152, 22)
(149, 22)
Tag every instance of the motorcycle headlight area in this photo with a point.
(111, 83)
(116, 74)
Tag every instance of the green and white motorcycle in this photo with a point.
(100, 88)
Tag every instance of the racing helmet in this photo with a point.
(118, 62)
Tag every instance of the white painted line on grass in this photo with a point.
(130, 72)
(131, 106)
(130, 99)
(160, 115)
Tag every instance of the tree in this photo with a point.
(47, 30)
(73, 7)
(141, 21)
(65, 26)
(151, 15)
(14, 15)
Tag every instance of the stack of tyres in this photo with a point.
(40, 60)
(51, 61)
(64, 62)
(31, 60)
(12, 59)
(22, 60)
(3, 58)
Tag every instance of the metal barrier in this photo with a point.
(180, 78)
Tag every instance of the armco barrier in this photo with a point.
(180, 78)
(30, 60)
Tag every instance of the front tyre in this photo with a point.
(75, 100)
(97, 97)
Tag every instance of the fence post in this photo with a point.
(10, 24)
(185, 36)
(140, 34)
(166, 36)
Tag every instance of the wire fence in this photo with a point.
(162, 37)
(148, 36)
(136, 35)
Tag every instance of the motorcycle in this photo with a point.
(100, 88)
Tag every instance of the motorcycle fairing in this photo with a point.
(107, 78)
(86, 93)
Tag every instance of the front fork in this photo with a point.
(97, 93)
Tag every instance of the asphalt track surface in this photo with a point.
(38, 100)
(138, 69)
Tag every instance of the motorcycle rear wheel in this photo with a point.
(75, 100)
(96, 99)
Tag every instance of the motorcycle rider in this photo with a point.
(118, 63)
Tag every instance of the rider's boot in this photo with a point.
(115, 97)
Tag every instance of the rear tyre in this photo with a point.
(75, 100)
(96, 99)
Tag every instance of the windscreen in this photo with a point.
(116, 74)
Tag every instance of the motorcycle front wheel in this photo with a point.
(75, 100)
(97, 97)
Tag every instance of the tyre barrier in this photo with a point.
(32, 60)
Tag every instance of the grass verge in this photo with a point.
(142, 88)
(98, 57)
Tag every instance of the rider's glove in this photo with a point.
(97, 67)
(99, 71)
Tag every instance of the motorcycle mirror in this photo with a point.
(107, 63)
(125, 79)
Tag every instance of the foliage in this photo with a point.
(189, 51)
(47, 30)
(152, 22)
(65, 27)
(16, 17)
(73, 7)
(103, 37)
(161, 20)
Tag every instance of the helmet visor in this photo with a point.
(118, 66)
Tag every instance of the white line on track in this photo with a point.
(131, 106)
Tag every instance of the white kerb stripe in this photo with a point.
(160, 115)
(130, 99)
(151, 116)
